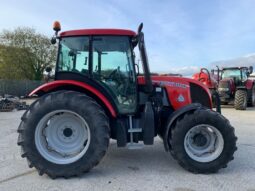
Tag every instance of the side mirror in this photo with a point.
(48, 69)
(250, 69)
(137, 69)
(53, 40)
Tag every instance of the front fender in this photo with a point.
(49, 87)
(173, 117)
(249, 84)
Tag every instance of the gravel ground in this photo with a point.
(150, 168)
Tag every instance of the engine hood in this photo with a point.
(181, 91)
(172, 81)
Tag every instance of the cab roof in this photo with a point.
(234, 68)
(82, 32)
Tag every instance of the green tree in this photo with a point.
(24, 54)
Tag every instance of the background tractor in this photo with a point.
(235, 86)
(97, 94)
(211, 81)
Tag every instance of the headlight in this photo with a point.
(223, 89)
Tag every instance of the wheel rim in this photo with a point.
(62, 137)
(203, 143)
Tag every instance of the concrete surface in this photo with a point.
(150, 168)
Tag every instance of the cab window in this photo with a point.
(73, 55)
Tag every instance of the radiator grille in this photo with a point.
(224, 84)
(199, 95)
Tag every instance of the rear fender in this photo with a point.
(172, 119)
(74, 85)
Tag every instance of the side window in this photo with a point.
(244, 75)
(74, 52)
(111, 54)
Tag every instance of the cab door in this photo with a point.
(113, 68)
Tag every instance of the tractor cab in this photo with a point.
(103, 58)
(236, 87)
(238, 74)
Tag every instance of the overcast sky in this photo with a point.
(181, 35)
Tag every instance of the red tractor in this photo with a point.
(234, 86)
(210, 80)
(97, 95)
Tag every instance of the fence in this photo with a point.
(18, 87)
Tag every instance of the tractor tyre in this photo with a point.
(64, 134)
(202, 141)
(240, 100)
(251, 99)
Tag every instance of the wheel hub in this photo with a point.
(203, 143)
(68, 132)
(62, 137)
(200, 140)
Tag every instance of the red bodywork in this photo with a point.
(249, 84)
(176, 86)
(81, 32)
(55, 84)
(231, 83)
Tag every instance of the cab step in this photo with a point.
(131, 130)
(135, 130)
(133, 146)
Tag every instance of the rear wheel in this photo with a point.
(240, 100)
(202, 141)
(64, 134)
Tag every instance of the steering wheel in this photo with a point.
(113, 74)
(122, 83)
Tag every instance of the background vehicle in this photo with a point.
(98, 95)
(235, 86)
(211, 81)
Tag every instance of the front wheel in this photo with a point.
(64, 134)
(241, 100)
(202, 141)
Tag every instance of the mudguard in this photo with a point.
(49, 87)
(174, 116)
(249, 84)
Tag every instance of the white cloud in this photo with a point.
(186, 70)
(247, 60)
